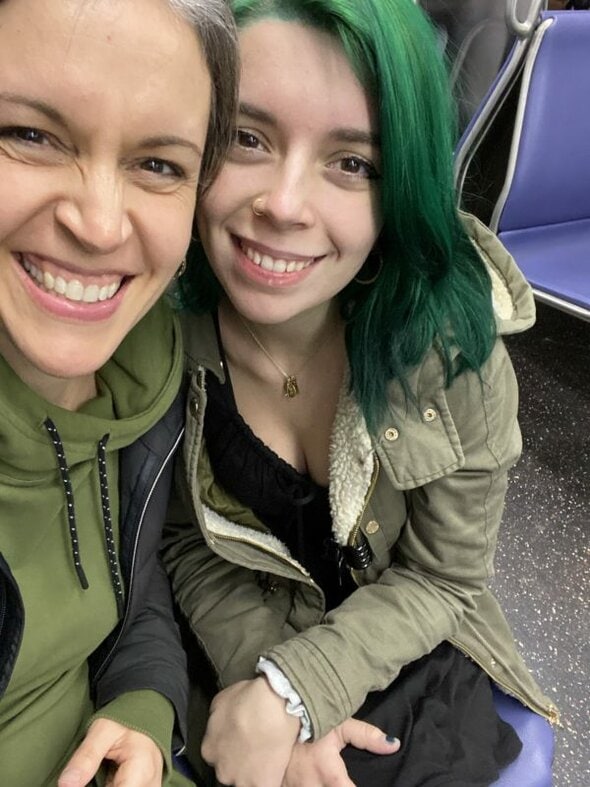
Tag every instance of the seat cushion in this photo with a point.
(532, 768)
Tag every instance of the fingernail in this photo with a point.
(391, 740)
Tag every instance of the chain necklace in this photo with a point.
(290, 384)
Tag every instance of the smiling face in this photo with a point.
(306, 156)
(103, 116)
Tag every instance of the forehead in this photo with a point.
(125, 51)
(304, 72)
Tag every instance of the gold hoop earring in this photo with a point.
(372, 279)
(258, 206)
(181, 269)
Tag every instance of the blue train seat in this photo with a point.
(532, 768)
(524, 161)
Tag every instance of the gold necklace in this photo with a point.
(290, 384)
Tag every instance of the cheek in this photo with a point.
(168, 236)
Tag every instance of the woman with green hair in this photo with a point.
(351, 421)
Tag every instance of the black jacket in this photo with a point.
(123, 663)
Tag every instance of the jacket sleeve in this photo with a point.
(440, 561)
(148, 655)
(145, 651)
(207, 587)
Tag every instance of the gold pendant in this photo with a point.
(290, 388)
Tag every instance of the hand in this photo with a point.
(138, 760)
(250, 735)
(319, 763)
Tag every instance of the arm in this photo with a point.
(440, 561)
(140, 687)
(206, 585)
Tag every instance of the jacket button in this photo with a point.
(391, 434)
(372, 527)
(429, 415)
(194, 407)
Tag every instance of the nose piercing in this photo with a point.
(258, 206)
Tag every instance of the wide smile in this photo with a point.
(68, 285)
(273, 263)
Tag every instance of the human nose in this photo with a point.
(94, 212)
(288, 199)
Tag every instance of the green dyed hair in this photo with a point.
(433, 287)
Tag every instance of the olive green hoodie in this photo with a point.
(68, 612)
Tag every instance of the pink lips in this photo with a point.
(62, 308)
(268, 278)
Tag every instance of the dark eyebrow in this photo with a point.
(53, 114)
(353, 135)
(36, 104)
(257, 114)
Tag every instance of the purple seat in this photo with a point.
(532, 768)
(543, 213)
(532, 133)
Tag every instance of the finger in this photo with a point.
(86, 760)
(363, 735)
(81, 768)
(131, 774)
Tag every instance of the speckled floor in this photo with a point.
(543, 561)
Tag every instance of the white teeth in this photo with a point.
(91, 293)
(72, 290)
(269, 263)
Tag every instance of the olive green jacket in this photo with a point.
(427, 493)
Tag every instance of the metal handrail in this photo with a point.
(523, 28)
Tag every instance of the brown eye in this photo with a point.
(246, 139)
(358, 167)
(31, 136)
(158, 166)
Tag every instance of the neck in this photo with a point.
(295, 350)
(292, 340)
(69, 394)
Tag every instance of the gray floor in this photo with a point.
(543, 562)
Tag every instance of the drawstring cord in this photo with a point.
(106, 513)
(67, 485)
(108, 525)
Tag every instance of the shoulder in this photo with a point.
(471, 422)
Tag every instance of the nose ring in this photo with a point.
(258, 206)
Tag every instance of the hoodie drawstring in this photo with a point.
(108, 525)
(71, 513)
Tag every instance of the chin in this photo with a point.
(72, 364)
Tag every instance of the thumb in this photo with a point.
(85, 761)
(363, 735)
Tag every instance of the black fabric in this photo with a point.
(289, 503)
(440, 706)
